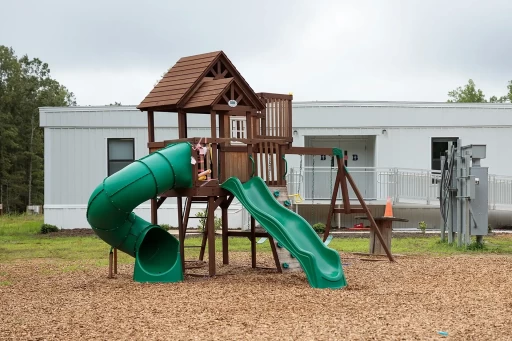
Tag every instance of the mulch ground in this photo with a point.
(469, 297)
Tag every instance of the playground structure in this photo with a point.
(244, 158)
(463, 194)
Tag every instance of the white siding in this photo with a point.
(411, 147)
(73, 216)
(76, 147)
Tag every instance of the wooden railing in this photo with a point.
(276, 120)
(269, 162)
(257, 157)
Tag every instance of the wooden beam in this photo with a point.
(197, 191)
(309, 151)
(275, 255)
(352, 210)
(373, 224)
(225, 107)
(160, 202)
(182, 124)
(276, 96)
(220, 140)
(247, 234)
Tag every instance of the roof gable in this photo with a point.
(188, 75)
(219, 91)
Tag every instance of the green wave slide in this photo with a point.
(110, 211)
(321, 264)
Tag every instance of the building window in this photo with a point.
(238, 128)
(120, 153)
(439, 147)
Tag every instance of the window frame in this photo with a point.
(439, 139)
(243, 131)
(109, 139)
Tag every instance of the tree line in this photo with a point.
(26, 85)
(470, 94)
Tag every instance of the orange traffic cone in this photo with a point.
(389, 209)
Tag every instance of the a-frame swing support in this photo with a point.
(342, 177)
(341, 181)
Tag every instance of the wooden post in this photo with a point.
(253, 242)
(215, 162)
(115, 261)
(222, 154)
(110, 261)
(181, 232)
(151, 138)
(385, 228)
(225, 240)
(210, 221)
(339, 176)
(250, 154)
(274, 254)
(182, 124)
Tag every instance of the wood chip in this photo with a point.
(466, 296)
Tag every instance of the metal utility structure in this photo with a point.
(250, 136)
(463, 193)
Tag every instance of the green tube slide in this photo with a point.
(321, 264)
(110, 212)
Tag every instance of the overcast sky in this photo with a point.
(405, 50)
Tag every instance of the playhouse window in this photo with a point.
(120, 153)
(238, 128)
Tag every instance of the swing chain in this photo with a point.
(301, 177)
(332, 166)
(313, 184)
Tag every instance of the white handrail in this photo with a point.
(377, 183)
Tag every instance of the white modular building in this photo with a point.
(392, 149)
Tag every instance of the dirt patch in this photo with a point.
(415, 298)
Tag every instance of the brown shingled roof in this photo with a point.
(179, 85)
(179, 80)
(208, 92)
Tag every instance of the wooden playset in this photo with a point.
(251, 134)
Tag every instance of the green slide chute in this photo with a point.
(321, 264)
(110, 211)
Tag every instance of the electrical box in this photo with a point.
(479, 201)
(478, 151)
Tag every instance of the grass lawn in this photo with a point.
(20, 238)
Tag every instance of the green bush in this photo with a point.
(166, 227)
(47, 228)
(319, 227)
(202, 221)
(423, 226)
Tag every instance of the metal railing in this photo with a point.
(400, 184)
